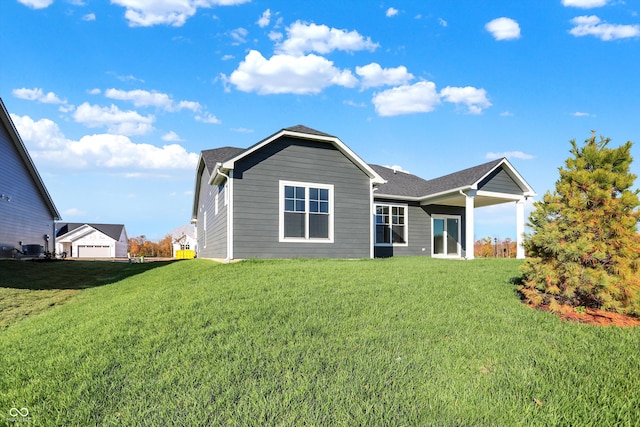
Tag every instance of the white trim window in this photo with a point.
(306, 212)
(391, 225)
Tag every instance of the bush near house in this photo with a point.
(584, 250)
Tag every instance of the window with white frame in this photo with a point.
(391, 224)
(306, 211)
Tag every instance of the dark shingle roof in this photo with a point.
(405, 184)
(400, 183)
(211, 157)
(112, 230)
(461, 178)
(304, 129)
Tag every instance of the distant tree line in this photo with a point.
(140, 246)
(488, 247)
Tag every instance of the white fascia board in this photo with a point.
(455, 192)
(78, 233)
(396, 197)
(375, 178)
(196, 192)
(496, 195)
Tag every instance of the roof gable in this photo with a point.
(464, 178)
(402, 184)
(302, 132)
(112, 230)
(26, 158)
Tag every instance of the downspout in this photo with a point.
(372, 224)
(229, 256)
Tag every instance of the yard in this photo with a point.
(401, 341)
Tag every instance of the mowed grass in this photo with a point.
(402, 341)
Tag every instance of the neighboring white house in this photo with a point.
(184, 241)
(81, 240)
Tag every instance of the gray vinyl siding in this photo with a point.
(218, 224)
(25, 217)
(500, 182)
(212, 240)
(256, 200)
(419, 239)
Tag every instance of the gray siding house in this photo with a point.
(304, 193)
(27, 213)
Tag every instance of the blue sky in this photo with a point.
(116, 99)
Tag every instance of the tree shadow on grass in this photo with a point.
(69, 274)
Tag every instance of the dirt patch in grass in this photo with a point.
(594, 316)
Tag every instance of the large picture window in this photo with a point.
(391, 225)
(306, 212)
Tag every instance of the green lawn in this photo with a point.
(402, 341)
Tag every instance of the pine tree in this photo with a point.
(584, 250)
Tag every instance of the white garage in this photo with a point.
(78, 240)
(91, 251)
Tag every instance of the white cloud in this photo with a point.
(143, 98)
(145, 13)
(475, 99)
(116, 121)
(420, 97)
(275, 36)
(442, 22)
(584, 4)
(94, 91)
(89, 17)
(208, 118)
(227, 57)
(265, 18)
(373, 75)
(510, 155)
(36, 94)
(503, 28)
(582, 114)
(307, 74)
(42, 135)
(593, 26)
(36, 4)
(171, 136)
(303, 38)
(241, 130)
(239, 35)
(392, 11)
(47, 143)
(118, 151)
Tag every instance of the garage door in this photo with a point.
(94, 252)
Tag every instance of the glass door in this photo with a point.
(446, 235)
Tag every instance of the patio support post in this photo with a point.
(520, 229)
(469, 223)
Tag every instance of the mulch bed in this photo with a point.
(597, 317)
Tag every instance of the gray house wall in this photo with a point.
(24, 215)
(500, 182)
(256, 200)
(218, 223)
(419, 238)
(205, 215)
